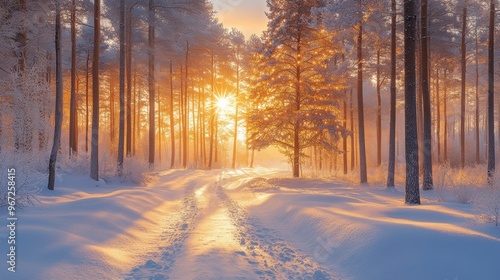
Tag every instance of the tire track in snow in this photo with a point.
(264, 249)
(174, 234)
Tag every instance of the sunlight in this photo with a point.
(223, 104)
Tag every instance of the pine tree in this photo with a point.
(297, 106)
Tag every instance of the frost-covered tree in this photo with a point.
(298, 106)
(357, 22)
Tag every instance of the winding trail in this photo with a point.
(213, 237)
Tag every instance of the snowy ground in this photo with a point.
(246, 224)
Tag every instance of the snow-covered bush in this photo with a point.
(29, 176)
(442, 180)
(135, 169)
(456, 184)
(487, 202)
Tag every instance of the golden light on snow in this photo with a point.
(215, 232)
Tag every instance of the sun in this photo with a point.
(223, 104)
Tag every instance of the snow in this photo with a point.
(246, 224)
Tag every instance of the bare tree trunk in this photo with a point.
(59, 101)
(158, 101)
(182, 125)
(73, 146)
(216, 140)
(426, 98)
(111, 110)
(235, 137)
(445, 115)
(94, 153)
(252, 157)
(137, 113)
(392, 129)
(478, 159)
(121, 132)
(21, 37)
(361, 117)
(462, 97)
(87, 104)
(203, 128)
(128, 73)
(185, 134)
(296, 133)
(411, 139)
(212, 115)
(351, 110)
(151, 82)
(172, 123)
(491, 94)
(344, 139)
(379, 112)
(438, 116)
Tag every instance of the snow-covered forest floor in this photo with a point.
(247, 224)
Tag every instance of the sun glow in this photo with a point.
(223, 104)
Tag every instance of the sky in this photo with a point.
(246, 15)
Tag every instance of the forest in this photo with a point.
(164, 82)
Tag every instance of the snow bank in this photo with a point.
(368, 233)
(91, 230)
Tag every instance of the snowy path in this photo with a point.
(214, 238)
(246, 224)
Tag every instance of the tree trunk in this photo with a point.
(361, 117)
(478, 159)
(59, 101)
(491, 94)
(73, 146)
(426, 98)
(151, 83)
(438, 116)
(185, 135)
(172, 124)
(344, 139)
(111, 110)
(158, 101)
(121, 132)
(445, 115)
(87, 103)
(212, 115)
(21, 37)
(379, 112)
(296, 133)
(94, 153)
(462, 96)
(235, 137)
(351, 110)
(128, 73)
(137, 114)
(392, 129)
(411, 140)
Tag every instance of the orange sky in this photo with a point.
(245, 15)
